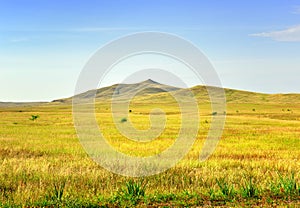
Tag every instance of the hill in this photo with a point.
(145, 88)
(20, 104)
(150, 90)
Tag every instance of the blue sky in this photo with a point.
(253, 45)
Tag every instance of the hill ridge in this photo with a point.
(151, 90)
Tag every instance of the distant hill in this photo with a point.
(150, 90)
(144, 88)
(20, 104)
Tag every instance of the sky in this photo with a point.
(253, 45)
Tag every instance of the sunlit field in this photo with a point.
(257, 161)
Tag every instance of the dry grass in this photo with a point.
(43, 163)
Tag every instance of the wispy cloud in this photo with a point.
(291, 34)
(296, 9)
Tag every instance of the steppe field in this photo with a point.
(256, 163)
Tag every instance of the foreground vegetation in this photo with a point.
(257, 161)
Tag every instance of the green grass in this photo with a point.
(257, 162)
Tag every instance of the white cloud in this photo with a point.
(291, 34)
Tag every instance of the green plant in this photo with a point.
(249, 189)
(214, 113)
(34, 117)
(58, 189)
(134, 189)
(211, 193)
(288, 185)
(123, 120)
(131, 193)
(225, 188)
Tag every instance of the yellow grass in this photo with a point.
(37, 156)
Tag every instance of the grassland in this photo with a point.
(257, 161)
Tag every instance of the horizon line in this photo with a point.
(228, 88)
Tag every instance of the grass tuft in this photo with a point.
(249, 189)
(123, 120)
(131, 194)
(226, 189)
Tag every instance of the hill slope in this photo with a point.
(152, 91)
(145, 88)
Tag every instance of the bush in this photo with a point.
(123, 120)
(34, 117)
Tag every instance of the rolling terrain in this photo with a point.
(149, 90)
(256, 163)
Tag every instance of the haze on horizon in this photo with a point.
(253, 45)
